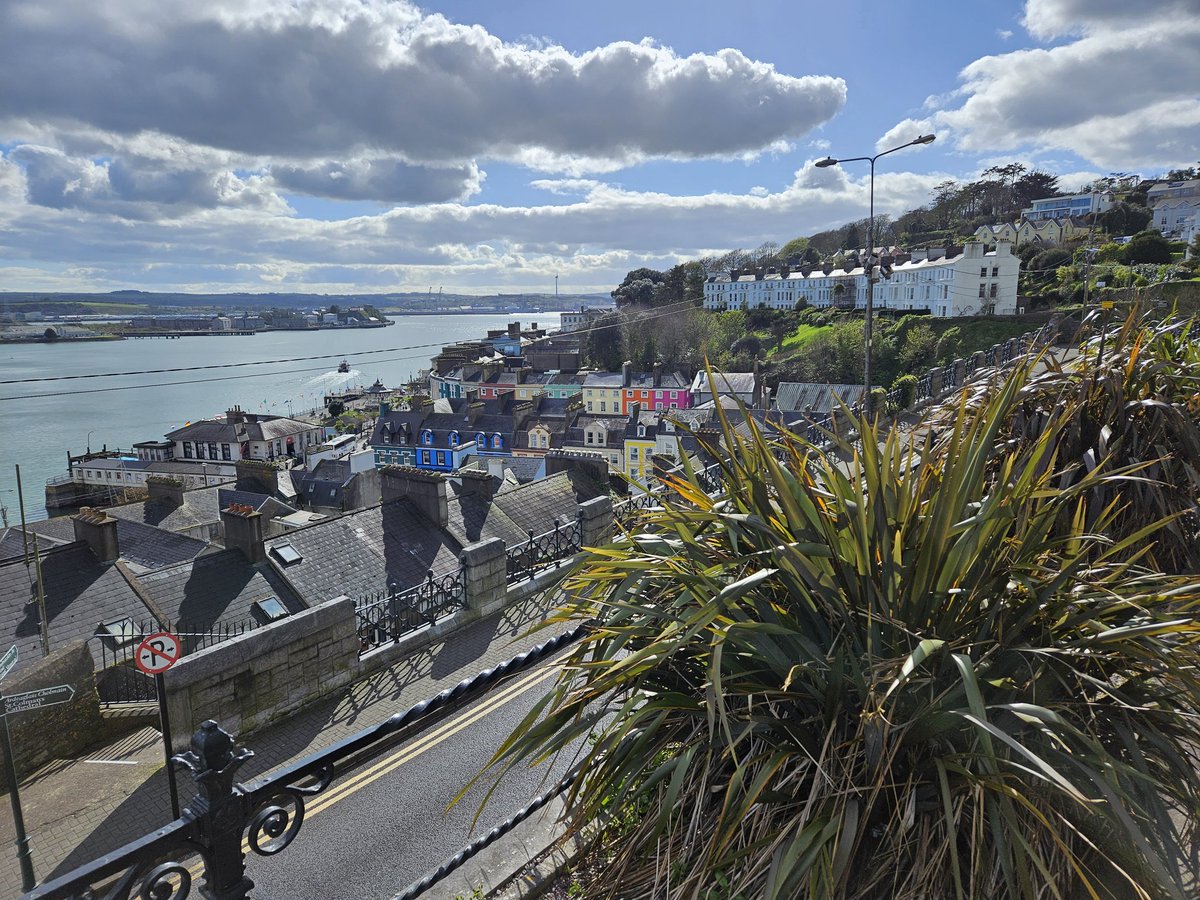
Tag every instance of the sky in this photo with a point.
(367, 146)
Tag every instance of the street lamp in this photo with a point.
(869, 266)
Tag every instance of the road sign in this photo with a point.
(158, 652)
(30, 700)
(8, 661)
(1106, 304)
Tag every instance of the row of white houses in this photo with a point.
(967, 282)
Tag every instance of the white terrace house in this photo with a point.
(966, 282)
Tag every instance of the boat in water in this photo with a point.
(343, 366)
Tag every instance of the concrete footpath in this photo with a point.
(79, 809)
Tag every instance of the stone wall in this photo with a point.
(60, 731)
(251, 680)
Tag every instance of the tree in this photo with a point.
(881, 673)
(1124, 218)
(335, 408)
(640, 292)
(1034, 186)
(794, 248)
(1147, 247)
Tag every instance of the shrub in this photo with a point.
(907, 385)
(907, 669)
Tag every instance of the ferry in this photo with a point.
(343, 366)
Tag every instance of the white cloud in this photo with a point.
(329, 77)
(1121, 92)
(1004, 34)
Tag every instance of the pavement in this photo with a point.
(76, 810)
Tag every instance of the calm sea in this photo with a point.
(41, 421)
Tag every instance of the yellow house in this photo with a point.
(602, 393)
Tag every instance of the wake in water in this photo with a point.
(332, 378)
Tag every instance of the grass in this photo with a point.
(802, 335)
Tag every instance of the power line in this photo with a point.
(660, 312)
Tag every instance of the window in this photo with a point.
(983, 272)
(454, 439)
(427, 437)
(603, 406)
(590, 438)
(441, 458)
(480, 442)
(187, 449)
(982, 290)
(633, 453)
(212, 451)
(425, 457)
(589, 406)
(497, 442)
(992, 292)
(226, 453)
(641, 432)
(995, 271)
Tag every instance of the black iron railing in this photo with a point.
(384, 619)
(118, 679)
(265, 814)
(544, 550)
(628, 513)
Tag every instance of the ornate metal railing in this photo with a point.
(628, 512)
(267, 813)
(384, 619)
(544, 550)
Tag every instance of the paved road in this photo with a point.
(382, 828)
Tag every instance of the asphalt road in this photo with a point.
(373, 832)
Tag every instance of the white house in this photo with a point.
(1069, 205)
(1177, 217)
(952, 282)
(243, 435)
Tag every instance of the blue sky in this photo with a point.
(374, 146)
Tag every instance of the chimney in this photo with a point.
(257, 476)
(99, 531)
(495, 466)
(479, 484)
(243, 529)
(626, 373)
(234, 416)
(384, 408)
(973, 250)
(514, 329)
(584, 462)
(658, 375)
(168, 490)
(427, 491)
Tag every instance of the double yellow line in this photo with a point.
(426, 742)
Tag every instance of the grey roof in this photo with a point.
(263, 503)
(726, 382)
(200, 507)
(362, 553)
(144, 545)
(604, 379)
(81, 594)
(217, 586)
(254, 428)
(820, 398)
(14, 543)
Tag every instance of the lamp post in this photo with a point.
(869, 265)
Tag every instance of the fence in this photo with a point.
(544, 550)
(385, 619)
(225, 819)
(119, 680)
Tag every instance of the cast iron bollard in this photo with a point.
(219, 811)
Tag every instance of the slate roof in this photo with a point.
(81, 594)
(217, 586)
(362, 553)
(200, 507)
(263, 503)
(726, 382)
(254, 428)
(145, 546)
(672, 381)
(14, 541)
(604, 379)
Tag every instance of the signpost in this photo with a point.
(31, 700)
(154, 655)
(26, 701)
(8, 661)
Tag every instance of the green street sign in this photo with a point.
(31, 700)
(8, 661)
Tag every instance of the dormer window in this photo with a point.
(454, 439)
(641, 431)
(427, 437)
(497, 442)
(480, 440)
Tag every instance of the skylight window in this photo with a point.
(286, 554)
(270, 609)
(120, 633)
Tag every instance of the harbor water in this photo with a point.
(42, 420)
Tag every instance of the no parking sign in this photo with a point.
(158, 652)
